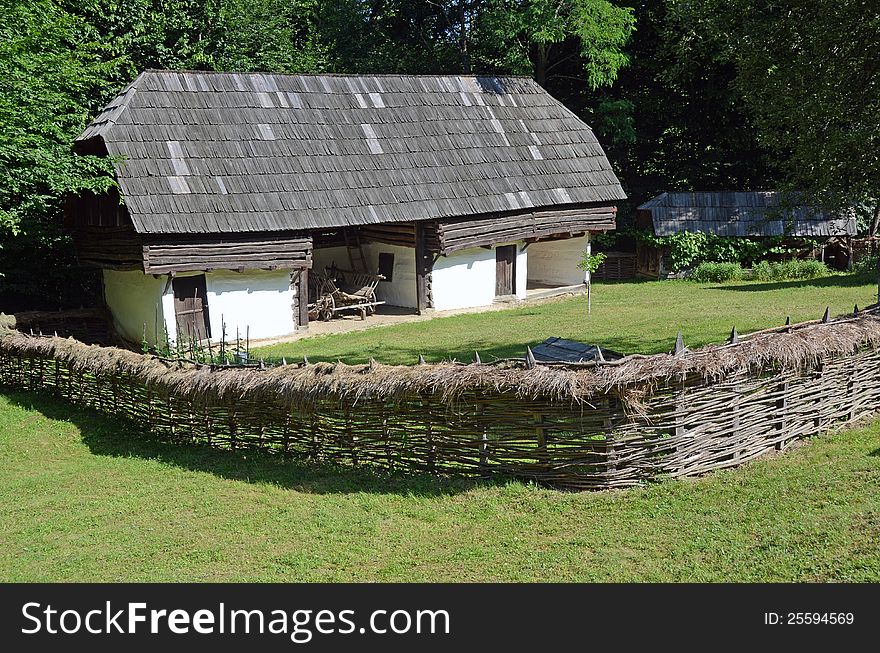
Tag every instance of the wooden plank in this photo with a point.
(422, 270)
(505, 270)
(302, 294)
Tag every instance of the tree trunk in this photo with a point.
(463, 37)
(541, 65)
(874, 227)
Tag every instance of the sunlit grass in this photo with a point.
(627, 317)
(85, 499)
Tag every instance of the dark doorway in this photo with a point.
(191, 308)
(505, 270)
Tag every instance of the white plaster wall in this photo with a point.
(326, 256)
(556, 261)
(522, 270)
(464, 279)
(401, 290)
(134, 300)
(260, 299)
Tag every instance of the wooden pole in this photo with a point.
(588, 279)
(421, 270)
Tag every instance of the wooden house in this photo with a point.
(457, 189)
(732, 214)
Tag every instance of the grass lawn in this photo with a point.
(85, 499)
(636, 317)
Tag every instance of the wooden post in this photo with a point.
(781, 408)
(484, 441)
(587, 279)
(541, 436)
(849, 249)
(851, 390)
(422, 269)
(429, 439)
(302, 296)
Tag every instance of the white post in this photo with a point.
(587, 279)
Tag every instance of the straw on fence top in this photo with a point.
(795, 346)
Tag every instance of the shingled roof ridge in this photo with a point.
(292, 74)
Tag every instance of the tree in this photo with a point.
(52, 68)
(679, 122)
(535, 37)
(808, 72)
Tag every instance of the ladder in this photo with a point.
(355, 250)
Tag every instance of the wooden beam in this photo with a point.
(422, 269)
(302, 298)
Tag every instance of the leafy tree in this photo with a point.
(809, 74)
(689, 129)
(270, 35)
(52, 68)
(534, 37)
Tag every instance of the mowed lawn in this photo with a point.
(85, 499)
(627, 317)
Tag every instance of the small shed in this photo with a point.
(759, 214)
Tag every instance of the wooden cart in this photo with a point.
(334, 291)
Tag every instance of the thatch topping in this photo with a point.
(799, 346)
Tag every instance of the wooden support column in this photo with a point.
(302, 298)
(423, 268)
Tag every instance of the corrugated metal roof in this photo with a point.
(765, 213)
(231, 152)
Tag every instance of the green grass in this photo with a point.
(85, 499)
(627, 317)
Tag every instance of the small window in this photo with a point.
(386, 265)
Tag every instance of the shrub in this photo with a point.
(715, 272)
(789, 270)
(762, 271)
(867, 264)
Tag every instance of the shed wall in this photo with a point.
(261, 300)
(401, 290)
(466, 279)
(134, 299)
(556, 262)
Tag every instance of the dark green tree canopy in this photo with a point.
(695, 94)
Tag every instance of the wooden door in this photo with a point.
(191, 308)
(505, 270)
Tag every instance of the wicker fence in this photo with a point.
(585, 426)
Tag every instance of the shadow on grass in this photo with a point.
(834, 281)
(106, 436)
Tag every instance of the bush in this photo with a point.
(762, 271)
(715, 272)
(789, 270)
(866, 265)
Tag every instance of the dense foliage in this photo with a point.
(702, 94)
(809, 74)
(686, 249)
(762, 271)
(788, 270)
(717, 272)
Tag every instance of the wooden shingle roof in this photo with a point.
(765, 213)
(227, 152)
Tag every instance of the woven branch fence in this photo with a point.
(586, 426)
